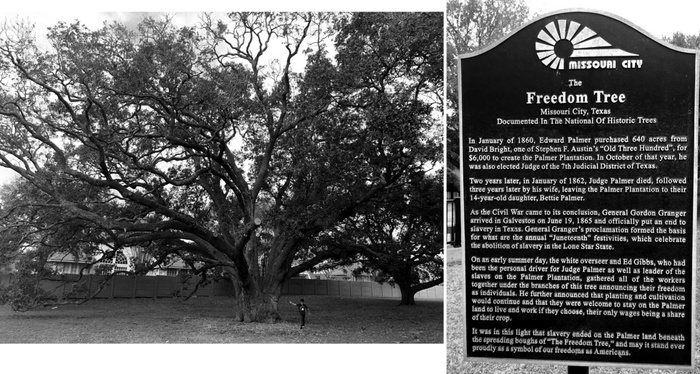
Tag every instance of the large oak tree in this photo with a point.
(194, 142)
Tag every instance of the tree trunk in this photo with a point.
(408, 292)
(257, 306)
(258, 289)
(407, 295)
(256, 302)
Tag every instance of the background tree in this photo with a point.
(684, 40)
(195, 143)
(399, 237)
(471, 25)
(32, 228)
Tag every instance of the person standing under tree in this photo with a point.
(303, 309)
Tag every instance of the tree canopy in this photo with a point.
(684, 40)
(193, 142)
(399, 237)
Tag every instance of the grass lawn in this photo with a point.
(211, 320)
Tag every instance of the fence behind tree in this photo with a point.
(162, 286)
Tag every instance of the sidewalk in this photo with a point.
(453, 254)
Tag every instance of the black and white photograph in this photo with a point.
(265, 182)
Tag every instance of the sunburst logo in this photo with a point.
(561, 40)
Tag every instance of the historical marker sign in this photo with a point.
(579, 168)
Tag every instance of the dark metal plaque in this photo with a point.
(579, 182)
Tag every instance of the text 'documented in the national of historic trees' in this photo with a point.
(579, 196)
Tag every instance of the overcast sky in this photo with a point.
(659, 17)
